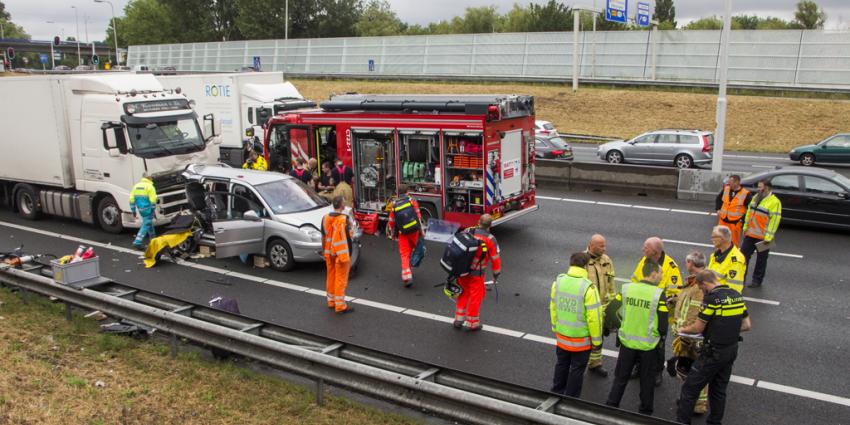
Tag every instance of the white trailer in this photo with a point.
(240, 100)
(75, 145)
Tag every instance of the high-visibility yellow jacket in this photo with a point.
(575, 311)
(671, 276)
(260, 164)
(143, 196)
(763, 219)
(730, 268)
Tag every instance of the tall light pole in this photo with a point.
(86, 20)
(77, 20)
(52, 55)
(114, 28)
(286, 22)
(720, 131)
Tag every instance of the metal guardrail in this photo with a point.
(447, 393)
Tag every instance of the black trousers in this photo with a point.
(625, 363)
(569, 371)
(748, 247)
(713, 367)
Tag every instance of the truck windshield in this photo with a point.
(289, 196)
(164, 138)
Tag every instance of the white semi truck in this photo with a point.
(74, 145)
(240, 100)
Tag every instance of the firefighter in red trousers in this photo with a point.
(405, 223)
(469, 301)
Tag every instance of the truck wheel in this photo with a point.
(26, 199)
(280, 255)
(427, 211)
(109, 215)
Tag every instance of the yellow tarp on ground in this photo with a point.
(159, 243)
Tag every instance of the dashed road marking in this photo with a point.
(431, 316)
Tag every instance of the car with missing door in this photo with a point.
(679, 148)
(248, 212)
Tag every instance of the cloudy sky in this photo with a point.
(34, 14)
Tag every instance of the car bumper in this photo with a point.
(307, 251)
(795, 156)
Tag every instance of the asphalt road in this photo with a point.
(790, 368)
(744, 162)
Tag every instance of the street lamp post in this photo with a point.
(114, 28)
(52, 55)
(77, 20)
(286, 22)
(720, 131)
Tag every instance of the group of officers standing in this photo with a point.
(706, 312)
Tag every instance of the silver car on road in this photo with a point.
(263, 213)
(680, 148)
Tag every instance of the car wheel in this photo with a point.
(26, 199)
(280, 255)
(683, 161)
(807, 159)
(109, 215)
(614, 157)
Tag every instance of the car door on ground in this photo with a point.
(234, 234)
(786, 187)
(640, 150)
(826, 201)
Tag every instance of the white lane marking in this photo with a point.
(548, 198)
(248, 277)
(755, 300)
(614, 204)
(503, 331)
(804, 393)
(780, 254)
(689, 211)
(644, 207)
(742, 380)
(763, 166)
(759, 300)
(578, 201)
(382, 306)
(316, 292)
(416, 313)
(426, 315)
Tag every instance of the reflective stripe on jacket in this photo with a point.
(575, 311)
(733, 208)
(336, 236)
(671, 277)
(763, 219)
(489, 251)
(641, 305)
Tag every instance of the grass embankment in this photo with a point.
(754, 123)
(50, 369)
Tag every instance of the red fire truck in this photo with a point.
(460, 156)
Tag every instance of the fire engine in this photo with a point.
(460, 156)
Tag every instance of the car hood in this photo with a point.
(804, 148)
(311, 217)
(613, 144)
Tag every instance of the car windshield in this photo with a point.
(164, 138)
(290, 196)
(559, 143)
(548, 126)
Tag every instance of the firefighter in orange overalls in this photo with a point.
(336, 243)
(469, 301)
(731, 205)
(406, 223)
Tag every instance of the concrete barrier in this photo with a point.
(701, 185)
(601, 176)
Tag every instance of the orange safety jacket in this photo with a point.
(489, 251)
(733, 209)
(336, 237)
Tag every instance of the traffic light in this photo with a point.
(10, 53)
(57, 40)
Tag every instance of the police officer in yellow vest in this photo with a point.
(600, 272)
(731, 205)
(577, 322)
(726, 260)
(760, 225)
(643, 328)
(670, 283)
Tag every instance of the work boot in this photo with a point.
(457, 324)
(474, 328)
(599, 371)
(658, 379)
(348, 309)
(407, 283)
(701, 407)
